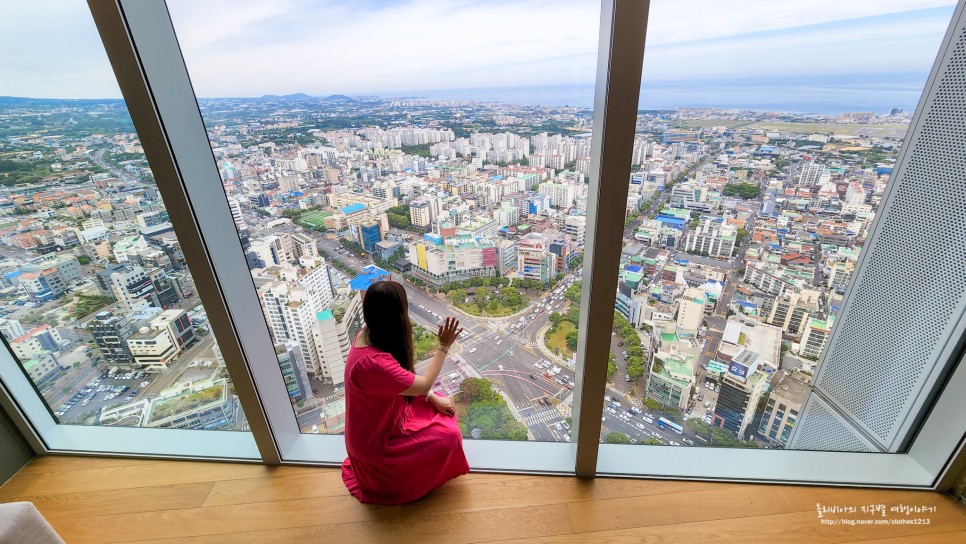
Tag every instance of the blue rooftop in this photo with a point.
(353, 208)
(370, 274)
(633, 268)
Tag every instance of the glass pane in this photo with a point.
(454, 161)
(96, 303)
(765, 140)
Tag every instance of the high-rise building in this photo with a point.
(815, 337)
(419, 213)
(793, 310)
(561, 195)
(740, 391)
(671, 378)
(712, 236)
(110, 330)
(178, 325)
(440, 260)
(506, 256)
(534, 260)
(690, 312)
(785, 401)
(133, 289)
(507, 215)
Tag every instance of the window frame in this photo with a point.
(146, 57)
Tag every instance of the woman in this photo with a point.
(402, 439)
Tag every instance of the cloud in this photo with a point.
(254, 47)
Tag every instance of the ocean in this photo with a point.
(827, 94)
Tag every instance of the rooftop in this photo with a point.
(370, 274)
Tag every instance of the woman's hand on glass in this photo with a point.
(448, 332)
(443, 405)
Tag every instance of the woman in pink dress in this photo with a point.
(403, 440)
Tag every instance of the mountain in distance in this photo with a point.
(338, 98)
(28, 101)
(295, 96)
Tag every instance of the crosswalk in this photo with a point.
(541, 416)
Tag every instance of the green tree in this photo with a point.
(457, 296)
(611, 366)
(572, 340)
(555, 319)
(617, 438)
(650, 441)
(573, 292)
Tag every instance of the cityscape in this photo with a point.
(743, 229)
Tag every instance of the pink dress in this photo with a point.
(398, 452)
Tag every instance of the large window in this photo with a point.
(752, 192)
(455, 162)
(99, 308)
(756, 246)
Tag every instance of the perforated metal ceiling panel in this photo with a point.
(821, 429)
(892, 341)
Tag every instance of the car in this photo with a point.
(498, 342)
(511, 354)
(532, 377)
(673, 443)
(500, 367)
(472, 350)
(655, 434)
(621, 344)
(546, 400)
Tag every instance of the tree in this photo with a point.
(480, 295)
(84, 259)
(746, 191)
(611, 366)
(457, 296)
(572, 340)
(555, 319)
(650, 441)
(617, 438)
(573, 292)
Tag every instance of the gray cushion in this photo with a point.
(21, 523)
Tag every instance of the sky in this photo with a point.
(321, 47)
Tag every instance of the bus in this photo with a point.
(669, 425)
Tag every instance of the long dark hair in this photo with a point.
(385, 309)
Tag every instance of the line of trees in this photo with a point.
(635, 351)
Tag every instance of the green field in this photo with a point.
(897, 131)
(315, 218)
(849, 129)
(558, 339)
(708, 123)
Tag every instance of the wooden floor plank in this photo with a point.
(957, 537)
(627, 512)
(132, 476)
(64, 463)
(411, 524)
(121, 501)
(511, 492)
(91, 500)
(791, 528)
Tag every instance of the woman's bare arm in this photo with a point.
(448, 332)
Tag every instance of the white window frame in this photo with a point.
(147, 60)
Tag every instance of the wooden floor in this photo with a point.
(96, 500)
